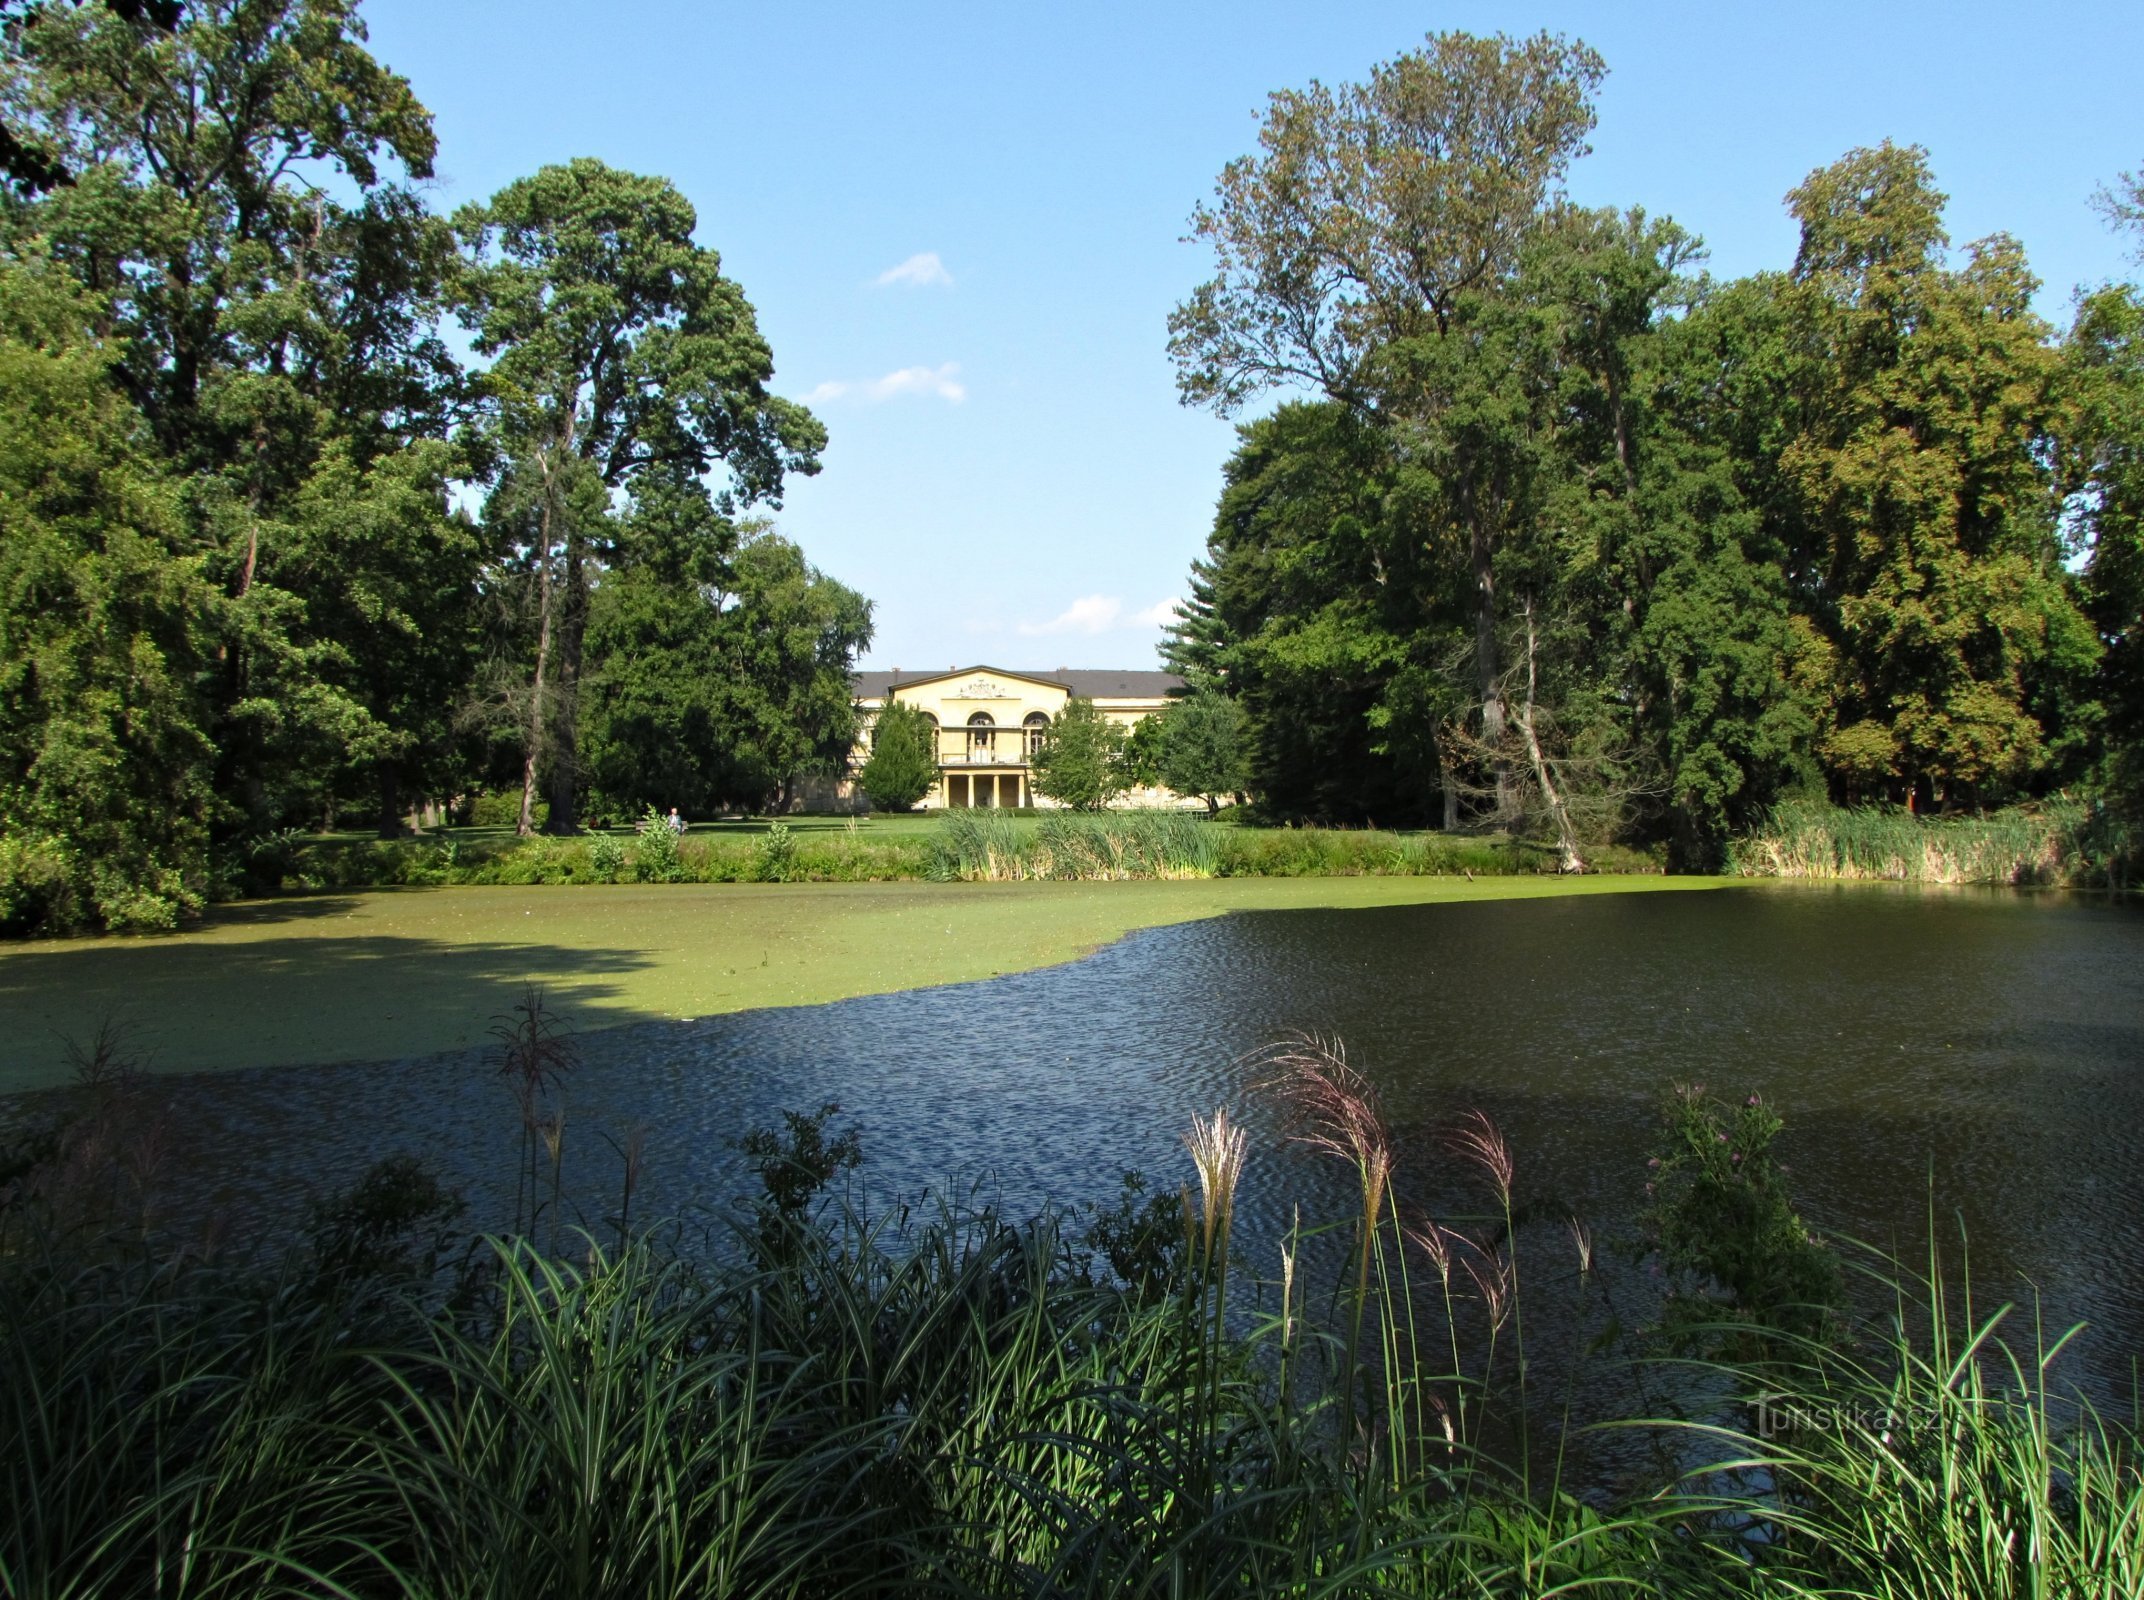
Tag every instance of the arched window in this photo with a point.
(982, 734)
(1037, 725)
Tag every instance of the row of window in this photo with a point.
(983, 730)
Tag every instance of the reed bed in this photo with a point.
(983, 845)
(815, 1399)
(2054, 844)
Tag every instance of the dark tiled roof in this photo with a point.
(1088, 683)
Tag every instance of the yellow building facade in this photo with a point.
(990, 722)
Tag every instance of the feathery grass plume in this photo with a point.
(1435, 1241)
(1218, 1148)
(1334, 1109)
(535, 1054)
(535, 1050)
(1492, 1277)
(1582, 1244)
(1288, 1252)
(1480, 1140)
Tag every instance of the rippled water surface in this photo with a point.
(1976, 1053)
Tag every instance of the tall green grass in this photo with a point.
(2044, 845)
(983, 845)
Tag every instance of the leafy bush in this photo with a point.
(501, 808)
(655, 859)
(606, 858)
(777, 854)
(1736, 1251)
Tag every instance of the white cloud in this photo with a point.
(1104, 613)
(1094, 613)
(918, 272)
(942, 382)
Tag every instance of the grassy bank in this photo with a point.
(2058, 844)
(957, 846)
(384, 974)
(816, 1401)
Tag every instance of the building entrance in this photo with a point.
(985, 789)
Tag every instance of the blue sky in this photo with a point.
(961, 224)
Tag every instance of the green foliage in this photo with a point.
(244, 198)
(795, 1163)
(1919, 497)
(105, 629)
(623, 365)
(1203, 748)
(2105, 471)
(1145, 1239)
(903, 764)
(869, 1404)
(1719, 1217)
(1081, 759)
(606, 858)
(777, 854)
(2049, 844)
(394, 1223)
(720, 678)
(655, 857)
(501, 808)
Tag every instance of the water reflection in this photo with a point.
(1977, 1053)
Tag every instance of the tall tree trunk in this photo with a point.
(532, 744)
(565, 700)
(572, 607)
(390, 801)
(1566, 836)
(1488, 679)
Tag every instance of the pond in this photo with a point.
(1976, 1054)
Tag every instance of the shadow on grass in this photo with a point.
(196, 1007)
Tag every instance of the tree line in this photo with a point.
(314, 501)
(1556, 531)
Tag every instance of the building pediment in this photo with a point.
(966, 683)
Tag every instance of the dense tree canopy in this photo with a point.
(621, 354)
(1549, 532)
(1576, 540)
(241, 595)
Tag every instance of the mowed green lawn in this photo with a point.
(391, 973)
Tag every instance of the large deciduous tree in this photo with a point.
(619, 353)
(719, 670)
(241, 199)
(1203, 748)
(1920, 489)
(106, 624)
(1350, 249)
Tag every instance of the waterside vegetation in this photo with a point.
(816, 1397)
(955, 846)
(2060, 843)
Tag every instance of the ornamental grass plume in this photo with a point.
(1480, 1140)
(1335, 1109)
(1218, 1148)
